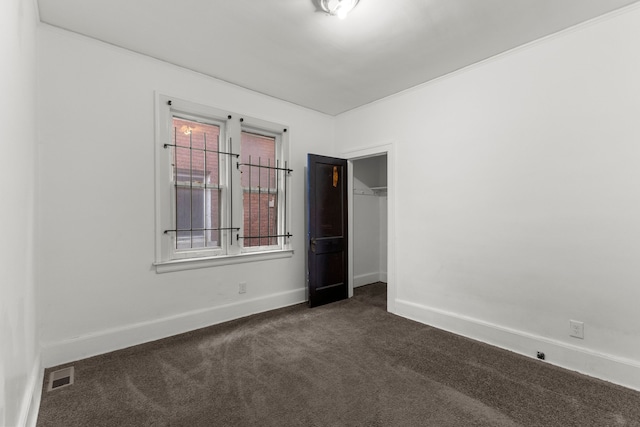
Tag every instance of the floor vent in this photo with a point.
(60, 378)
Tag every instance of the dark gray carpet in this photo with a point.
(345, 364)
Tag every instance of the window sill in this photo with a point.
(193, 263)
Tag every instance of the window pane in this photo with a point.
(263, 220)
(190, 155)
(197, 191)
(198, 216)
(260, 181)
(258, 150)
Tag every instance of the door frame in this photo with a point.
(361, 153)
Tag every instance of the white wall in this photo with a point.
(366, 239)
(19, 355)
(528, 217)
(99, 289)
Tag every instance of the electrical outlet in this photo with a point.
(242, 287)
(576, 329)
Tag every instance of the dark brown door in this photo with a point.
(327, 229)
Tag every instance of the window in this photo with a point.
(196, 177)
(221, 187)
(259, 189)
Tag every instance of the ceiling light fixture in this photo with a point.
(339, 8)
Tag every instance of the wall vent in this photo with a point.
(60, 378)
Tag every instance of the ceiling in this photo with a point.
(291, 50)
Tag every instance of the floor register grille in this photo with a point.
(61, 378)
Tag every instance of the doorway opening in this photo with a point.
(371, 227)
(370, 220)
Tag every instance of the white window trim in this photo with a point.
(217, 261)
(167, 259)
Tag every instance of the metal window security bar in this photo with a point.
(178, 184)
(276, 175)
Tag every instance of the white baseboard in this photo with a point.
(624, 372)
(57, 353)
(31, 398)
(34, 408)
(365, 279)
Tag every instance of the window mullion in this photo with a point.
(205, 218)
(259, 201)
(175, 181)
(219, 193)
(277, 202)
(250, 232)
(234, 197)
(191, 189)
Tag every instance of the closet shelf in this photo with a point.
(373, 191)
